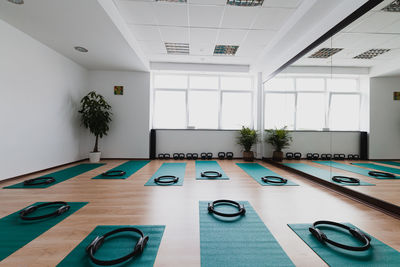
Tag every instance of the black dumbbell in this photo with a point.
(175, 156)
(160, 156)
(297, 155)
(229, 155)
(195, 156)
(323, 157)
(203, 155)
(315, 156)
(189, 156)
(309, 156)
(289, 155)
(356, 156)
(336, 156)
(342, 156)
(221, 155)
(209, 155)
(167, 156)
(181, 156)
(328, 156)
(350, 156)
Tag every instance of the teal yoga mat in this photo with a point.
(62, 175)
(237, 241)
(350, 168)
(379, 254)
(16, 233)
(256, 171)
(176, 169)
(320, 173)
(394, 163)
(210, 165)
(117, 246)
(129, 167)
(378, 167)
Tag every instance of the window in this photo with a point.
(312, 103)
(202, 101)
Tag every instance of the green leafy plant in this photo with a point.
(247, 138)
(95, 115)
(278, 138)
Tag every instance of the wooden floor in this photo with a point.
(122, 202)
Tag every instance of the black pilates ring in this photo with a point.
(345, 180)
(113, 173)
(358, 234)
(31, 209)
(40, 180)
(166, 179)
(99, 240)
(381, 174)
(211, 174)
(274, 180)
(240, 207)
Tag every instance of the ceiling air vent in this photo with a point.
(372, 53)
(325, 52)
(229, 50)
(245, 2)
(177, 48)
(392, 7)
(172, 1)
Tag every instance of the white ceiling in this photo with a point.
(376, 29)
(204, 24)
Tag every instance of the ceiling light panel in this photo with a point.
(325, 52)
(372, 53)
(228, 50)
(177, 48)
(245, 2)
(392, 7)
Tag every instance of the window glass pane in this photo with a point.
(170, 109)
(279, 111)
(203, 82)
(170, 81)
(203, 109)
(310, 113)
(342, 85)
(236, 83)
(236, 110)
(344, 114)
(310, 84)
(280, 84)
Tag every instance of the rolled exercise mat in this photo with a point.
(61, 176)
(379, 254)
(117, 246)
(378, 167)
(393, 163)
(320, 173)
(256, 171)
(129, 168)
(16, 233)
(350, 168)
(175, 169)
(212, 165)
(237, 241)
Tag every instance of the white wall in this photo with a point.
(384, 137)
(39, 95)
(129, 131)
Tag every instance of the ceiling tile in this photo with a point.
(203, 35)
(239, 17)
(174, 34)
(393, 28)
(282, 3)
(201, 49)
(259, 37)
(376, 22)
(272, 18)
(136, 12)
(171, 14)
(145, 32)
(208, 2)
(205, 16)
(231, 37)
(153, 47)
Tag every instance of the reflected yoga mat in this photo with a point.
(16, 233)
(379, 254)
(129, 167)
(320, 173)
(350, 168)
(393, 163)
(211, 165)
(116, 246)
(378, 167)
(175, 169)
(61, 176)
(256, 171)
(237, 241)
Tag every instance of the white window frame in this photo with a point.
(188, 89)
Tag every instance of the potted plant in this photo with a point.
(279, 139)
(247, 138)
(96, 116)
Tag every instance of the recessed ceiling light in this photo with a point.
(18, 2)
(392, 7)
(177, 48)
(81, 49)
(229, 50)
(245, 2)
(325, 52)
(372, 53)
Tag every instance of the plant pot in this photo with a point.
(277, 156)
(94, 157)
(248, 155)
